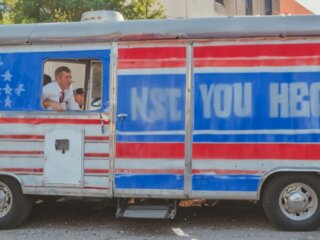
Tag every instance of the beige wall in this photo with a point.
(189, 8)
(238, 7)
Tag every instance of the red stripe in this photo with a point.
(26, 137)
(152, 53)
(98, 155)
(51, 121)
(257, 62)
(275, 50)
(227, 172)
(21, 152)
(150, 150)
(18, 170)
(96, 138)
(151, 64)
(155, 57)
(256, 151)
(147, 171)
(96, 171)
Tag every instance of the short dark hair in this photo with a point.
(61, 69)
(79, 91)
(46, 79)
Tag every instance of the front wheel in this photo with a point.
(14, 206)
(292, 201)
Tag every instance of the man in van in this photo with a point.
(58, 95)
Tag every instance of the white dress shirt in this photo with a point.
(52, 91)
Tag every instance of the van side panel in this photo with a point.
(25, 126)
(150, 140)
(257, 109)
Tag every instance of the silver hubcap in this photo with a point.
(298, 201)
(5, 199)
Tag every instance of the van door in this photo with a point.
(150, 121)
(77, 141)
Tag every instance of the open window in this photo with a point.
(86, 83)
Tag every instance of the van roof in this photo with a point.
(195, 28)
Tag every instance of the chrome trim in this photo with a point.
(188, 120)
(113, 112)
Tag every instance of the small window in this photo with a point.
(220, 2)
(268, 7)
(249, 9)
(72, 84)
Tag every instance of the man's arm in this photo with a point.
(52, 104)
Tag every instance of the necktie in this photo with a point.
(61, 97)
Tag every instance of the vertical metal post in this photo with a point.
(189, 112)
(113, 112)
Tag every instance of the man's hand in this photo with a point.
(52, 104)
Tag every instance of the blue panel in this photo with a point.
(225, 183)
(21, 77)
(154, 103)
(256, 101)
(164, 182)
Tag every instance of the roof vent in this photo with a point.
(101, 16)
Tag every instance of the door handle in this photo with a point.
(122, 116)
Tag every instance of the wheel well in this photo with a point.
(11, 177)
(281, 173)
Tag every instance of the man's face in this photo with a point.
(64, 80)
(79, 98)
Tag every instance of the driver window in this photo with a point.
(94, 101)
(71, 84)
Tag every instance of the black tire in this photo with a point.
(17, 206)
(285, 209)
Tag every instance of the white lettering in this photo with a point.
(206, 99)
(279, 100)
(315, 99)
(224, 99)
(298, 106)
(139, 104)
(242, 99)
(174, 94)
(156, 104)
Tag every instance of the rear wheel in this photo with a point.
(14, 206)
(292, 201)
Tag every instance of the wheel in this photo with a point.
(14, 206)
(291, 201)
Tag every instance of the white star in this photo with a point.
(7, 76)
(19, 89)
(8, 89)
(7, 102)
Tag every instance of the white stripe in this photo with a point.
(254, 132)
(96, 164)
(97, 181)
(265, 165)
(21, 162)
(257, 69)
(54, 48)
(41, 129)
(151, 71)
(139, 133)
(96, 147)
(14, 145)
